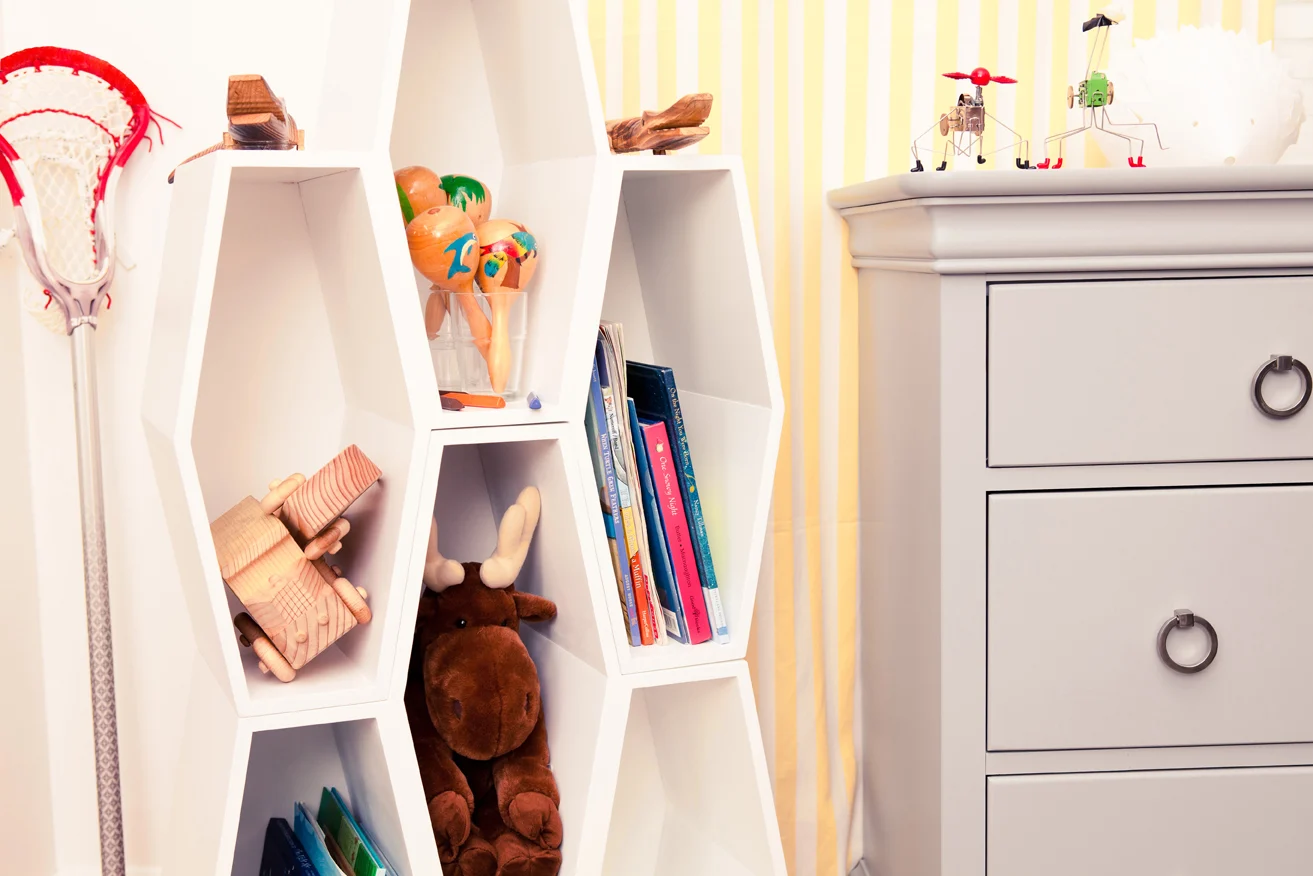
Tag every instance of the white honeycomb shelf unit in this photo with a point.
(289, 325)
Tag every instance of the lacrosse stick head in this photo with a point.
(69, 122)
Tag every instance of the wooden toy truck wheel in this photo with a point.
(271, 659)
(1109, 94)
(943, 125)
(353, 598)
(1071, 97)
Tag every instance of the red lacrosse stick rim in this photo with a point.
(80, 62)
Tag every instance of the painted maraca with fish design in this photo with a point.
(508, 258)
(445, 249)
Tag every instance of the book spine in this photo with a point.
(674, 517)
(659, 632)
(613, 499)
(646, 627)
(672, 607)
(302, 860)
(694, 503)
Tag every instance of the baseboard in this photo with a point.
(861, 869)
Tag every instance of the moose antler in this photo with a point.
(501, 569)
(440, 572)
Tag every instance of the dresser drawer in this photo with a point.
(1146, 371)
(1080, 585)
(1188, 822)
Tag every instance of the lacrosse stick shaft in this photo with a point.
(95, 570)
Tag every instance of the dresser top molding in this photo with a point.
(1107, 219)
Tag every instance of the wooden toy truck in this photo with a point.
(271, 554)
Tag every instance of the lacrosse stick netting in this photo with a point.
(68, 124)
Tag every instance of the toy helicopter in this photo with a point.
(1094, 95)
(963, 126)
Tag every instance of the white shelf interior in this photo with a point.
(692, 796)
(296, 763)
(483, 471)
(529, 129)
(685, 283)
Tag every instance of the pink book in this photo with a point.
(682, 559)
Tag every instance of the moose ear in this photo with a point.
(533, 608)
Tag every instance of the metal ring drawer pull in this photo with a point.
(1184, 618)
(1282, 364)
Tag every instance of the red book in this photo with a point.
(683, 561)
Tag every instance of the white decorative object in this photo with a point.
(1217, 96)
(289, 322)
(1061, 450)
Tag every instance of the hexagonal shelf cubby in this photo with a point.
(698, 810)
(276, 345)
(503, 91)
(685, 281)
(237, 773)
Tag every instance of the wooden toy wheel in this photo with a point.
(943, 125)
(271, 659)
(279, 490)
(1110, 94)
(353, 598)
(1071, 97)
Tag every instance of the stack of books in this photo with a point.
(331, 845)
(650, 505)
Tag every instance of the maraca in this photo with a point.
(444, 248)
(470, 195)
(418, 189)
(508, 257)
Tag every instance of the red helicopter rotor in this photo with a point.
(981, 76)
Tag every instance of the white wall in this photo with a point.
(180, 53)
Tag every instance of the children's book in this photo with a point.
(312, 839)
(359, 853)
(600, 440)
(657, 398)
(650, 622)
(662, 574)
(283, 854)
(674, 523)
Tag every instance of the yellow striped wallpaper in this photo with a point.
(815, 94)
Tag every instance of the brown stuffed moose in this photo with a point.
(475, 711)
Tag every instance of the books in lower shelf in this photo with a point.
(331, 844)
(650, 506)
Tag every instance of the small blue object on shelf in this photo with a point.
(534, 402)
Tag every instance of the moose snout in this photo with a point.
(482, 691)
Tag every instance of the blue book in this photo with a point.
(662, 572)
(283, 855)
(654, 393)
(312, 839)
(610, 496)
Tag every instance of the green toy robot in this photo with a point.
(1094, 95)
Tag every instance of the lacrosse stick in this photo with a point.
(68, 124)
